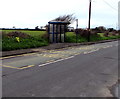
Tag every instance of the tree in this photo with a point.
(111, 29)
(36, 28)
(41, 27)
(13, 27)
(102, 28)
(66, 18)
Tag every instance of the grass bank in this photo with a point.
(71, 37)
(35, 39)
(38, 39)
(13, 44)
(32, 33)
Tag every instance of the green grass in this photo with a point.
(32, 33)
(102, 37)
(35, 40)
(12, 44)
(71, 37)
(101, 34)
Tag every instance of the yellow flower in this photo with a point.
(18, 39)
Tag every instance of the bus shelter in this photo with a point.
(56, 31)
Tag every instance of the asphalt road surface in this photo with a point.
(82, 71)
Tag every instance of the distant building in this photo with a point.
(119, 15)
(71, 29)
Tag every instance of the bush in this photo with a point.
(26, 43)
(10, 43)
(81, 32)
(3, 34)
(119, 32)
(18, 34)
(114, 33)
(106, 34)
(71, 38)
(95, 37)
(45, 36)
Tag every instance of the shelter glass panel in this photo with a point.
(51, 28)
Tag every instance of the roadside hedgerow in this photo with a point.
(18, 40)
(18, 34)
(31, 42)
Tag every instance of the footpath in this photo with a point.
(49, 47)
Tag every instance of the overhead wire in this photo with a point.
(110, 5)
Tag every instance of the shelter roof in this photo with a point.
(58, 22)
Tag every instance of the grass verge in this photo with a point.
(34, 40)
(31, 42)
(38, 39)
(71, 37)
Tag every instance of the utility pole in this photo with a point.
(76, 23)
(76, 30)
(89, 20)
(119, 15)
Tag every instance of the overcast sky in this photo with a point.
(31, 13)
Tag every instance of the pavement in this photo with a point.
(49, 47)
(78, 71)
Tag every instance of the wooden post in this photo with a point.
(76, 29)
(89, 21)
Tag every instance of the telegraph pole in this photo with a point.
(76, 30)
(119, 15)
(89, 20)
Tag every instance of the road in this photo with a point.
(82, 71)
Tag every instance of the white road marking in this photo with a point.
(56, 61)
(91, 51)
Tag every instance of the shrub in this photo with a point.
(18, 34)
(106, 34)
(114, 33)
(118, 32)
(31, 42)
(95, 37)
(70, 38)
(45, 36)
(3, 34)
(81, 32)
(9, 41)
